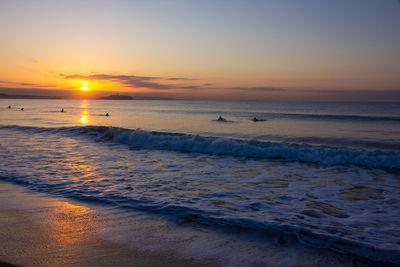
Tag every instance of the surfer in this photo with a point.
(9, 106)
(255, 119)
(107, 114)
(221, 119)
(62, 110)
(22, 109)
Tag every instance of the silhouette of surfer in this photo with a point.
(107, 114)
(221, 119)
(255, 119)
(9, 106)
(22, 109)
(62, 110)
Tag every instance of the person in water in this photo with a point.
(107, 114)
(62, 110)
(255, 119)
(9, 106)
(221, 119)
(22, 109)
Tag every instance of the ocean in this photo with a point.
(325, 174)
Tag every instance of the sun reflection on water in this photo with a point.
(84, 119)
(71, 224)
(84, 103)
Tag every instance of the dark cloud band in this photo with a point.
(150, 82)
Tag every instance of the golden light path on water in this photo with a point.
(84, 118)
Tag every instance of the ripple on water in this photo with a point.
(346, 202)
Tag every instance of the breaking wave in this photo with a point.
(138, 138)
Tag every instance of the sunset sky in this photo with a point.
(271, 49)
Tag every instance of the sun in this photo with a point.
(84, 86)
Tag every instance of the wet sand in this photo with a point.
(38, 230)
(41, 230)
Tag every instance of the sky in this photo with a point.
(342, 50)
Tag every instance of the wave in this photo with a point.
(138, 138)
(390, 144)
(182, 213)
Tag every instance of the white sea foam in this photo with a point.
(343, 207)
(247, 149)
(232, 147)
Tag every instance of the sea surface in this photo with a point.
(327, 174)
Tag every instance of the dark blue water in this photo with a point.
(327, 173)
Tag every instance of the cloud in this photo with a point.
(13, 84)
(183, 79)
(35, 91)
(351, 91)
(134, 81)
(36, 85)
(260, 89)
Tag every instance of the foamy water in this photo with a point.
(339, 190)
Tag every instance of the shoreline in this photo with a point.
(38, 229)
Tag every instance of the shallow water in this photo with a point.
(361, 125)
(343, 195)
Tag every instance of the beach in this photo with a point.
(199, 133)
(40, 230)
(165, 183)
